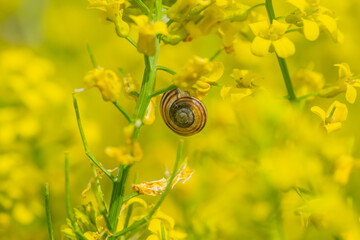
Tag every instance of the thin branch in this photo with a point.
(165, 69)
(217, 53)
(48, 214)
(143, 6)
(76, 229)
(160, 91)
(131, 41)
(162, 197)
(91, 54)
(86, 147)
(122, 110)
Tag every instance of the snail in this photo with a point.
(183, 114)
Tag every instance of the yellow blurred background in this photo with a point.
(247, 159)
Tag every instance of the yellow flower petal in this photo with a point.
(319, 112)
(342, 169)
(311, 30)
(153, 188)
(150, 113)
(259, 27)
(350, 94)
(240, 94)
(328, 22)
(300, 4)
(332, 127)
(279, 27)
(260, 46)
(344, 70)
(284, 47)
(340, 113)
(225, 91)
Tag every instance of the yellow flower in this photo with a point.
(157, 187)
(342, 169)
(197, 76)
(147, 31)
(113, 11)
(331, 120)
(243, 88)
(126, 155)
(271, 37)
(307, 81)
(106, 81)
(311, 16)
(130, 86)
(347, 77)
(184, 9)
(160, 220)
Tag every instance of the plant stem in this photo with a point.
(165, 69)
(48, 214)
(147, 88)
(143, 6)
(91, 54)
(217, 53)
(76, 229)
(130, 40)
(160, 91)
(286, 76)
(122, 110)
(255, 6)
(99, 196)
(117, 195)
(282, 62)
(162, 197)
(86, 147)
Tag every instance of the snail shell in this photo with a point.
(183, 114)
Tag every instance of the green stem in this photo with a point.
(86, 147)
(282, 62)
(128, 197)
(255, 6)
(48, 214)
(147, 88)
(143, 6)
(162, 197)
(294, 30)
(130, 40)
(100, 196)
(76, 229)
(270, 10)
(117, 196)
(307, 96)
(165, 69)
(122, 110)
(217, 53)
(91, 54)
(286, 76)
(160, 91)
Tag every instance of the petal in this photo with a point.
(311, 30)
(240, 94)
(344, 70)
(279, 27)
(300, 4)
(259, 27)
(217, 71)
(350, 94)
(260, 46)
(160, 27)
(340, 113)
(332, 127)
(225, 91)
(140, 20)
(328, 22)
(284, 47)
(319, 112)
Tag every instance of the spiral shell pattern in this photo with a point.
(183, 114)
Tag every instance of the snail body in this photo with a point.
(183, 114)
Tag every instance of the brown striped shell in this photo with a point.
(183, 114)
